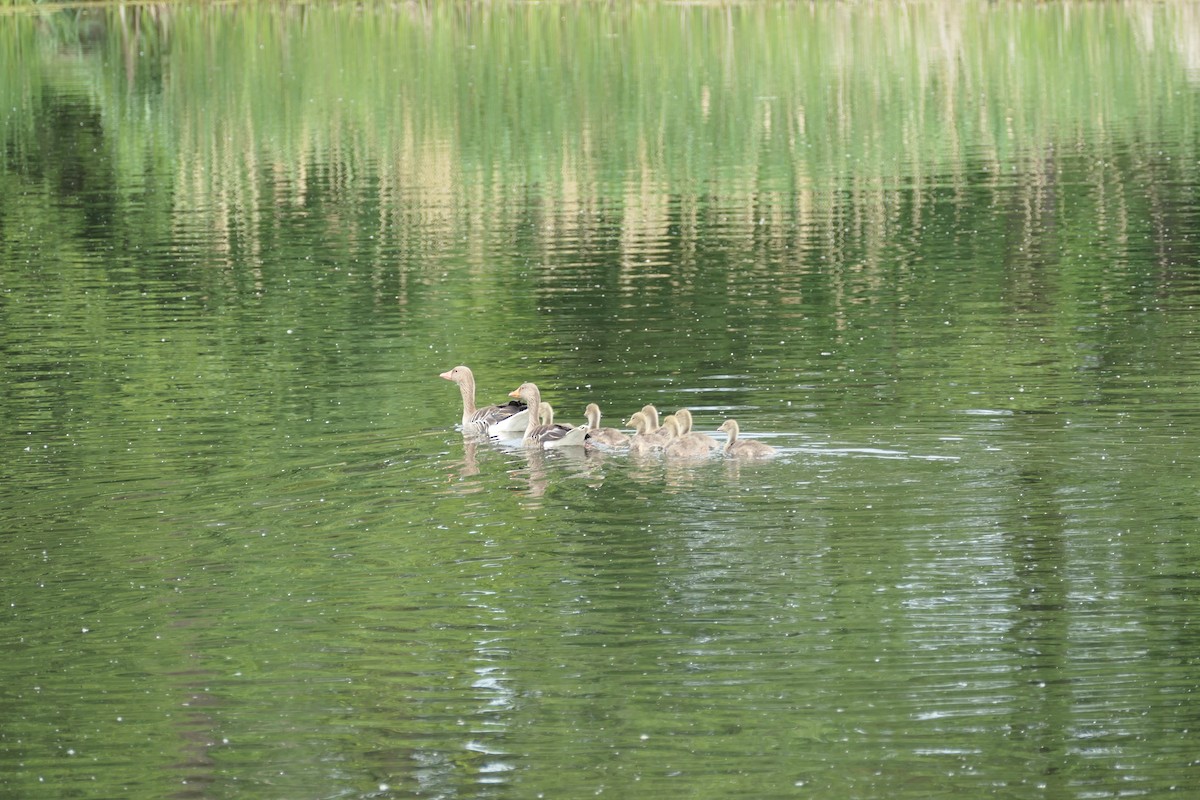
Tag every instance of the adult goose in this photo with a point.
(546, 417)
(546, 436)
(501, 418)
(743, 448)
(606, 436)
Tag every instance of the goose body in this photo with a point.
(508, 426)
(743, 448)
(686, 433)
(542, 435)
(606, 436)
(686, 443)
(640, 442)
(650, 438)
(484, 420)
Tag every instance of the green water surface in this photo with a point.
(945, 256)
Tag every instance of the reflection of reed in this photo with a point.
(816, 143)
(809, 116)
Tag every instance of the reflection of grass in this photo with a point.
(824, 94)
(456, 111)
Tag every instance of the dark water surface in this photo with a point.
(246, 553)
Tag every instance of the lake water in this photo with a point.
(944, 256)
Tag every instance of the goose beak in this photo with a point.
(515, 393)
(446, 375)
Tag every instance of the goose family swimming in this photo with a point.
(527, 415)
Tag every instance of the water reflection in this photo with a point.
(957, 297)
